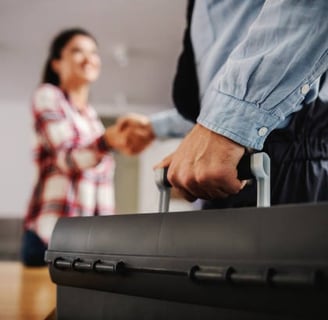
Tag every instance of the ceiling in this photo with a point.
(139, 40)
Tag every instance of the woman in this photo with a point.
(72, 149)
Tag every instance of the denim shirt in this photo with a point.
(257, 63)
(170, 124)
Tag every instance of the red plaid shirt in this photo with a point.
(74, 167)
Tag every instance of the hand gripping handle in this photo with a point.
(256, 165)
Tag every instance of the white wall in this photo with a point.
(16, 170)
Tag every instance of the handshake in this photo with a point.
(131, 134)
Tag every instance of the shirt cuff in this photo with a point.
(243, 122)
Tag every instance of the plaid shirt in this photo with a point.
(74, 167)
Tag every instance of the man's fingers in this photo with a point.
(186, 195)
(165, 162)
(192, 189)
(122, 123)
(133, 121)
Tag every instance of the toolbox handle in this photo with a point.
(164, 187)
(251, 165)
(260, 167)
(257, 166)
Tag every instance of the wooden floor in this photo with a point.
(25, 293)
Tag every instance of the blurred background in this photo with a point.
(139, 40)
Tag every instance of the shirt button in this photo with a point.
(262, 131)
(305, 89)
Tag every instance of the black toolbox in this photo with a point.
(248, 263)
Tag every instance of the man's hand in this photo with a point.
(131, 134)
(137, 132)
(205, 165)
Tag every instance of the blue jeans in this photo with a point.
(33, 249)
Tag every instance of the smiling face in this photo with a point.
(79, 62)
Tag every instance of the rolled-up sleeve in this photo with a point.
(269, 73)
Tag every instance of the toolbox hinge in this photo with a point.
(265, 276)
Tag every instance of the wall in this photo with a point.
(16, 170)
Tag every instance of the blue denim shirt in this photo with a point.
(170, 124)
(257, 63)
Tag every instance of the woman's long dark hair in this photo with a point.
(57, 45)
